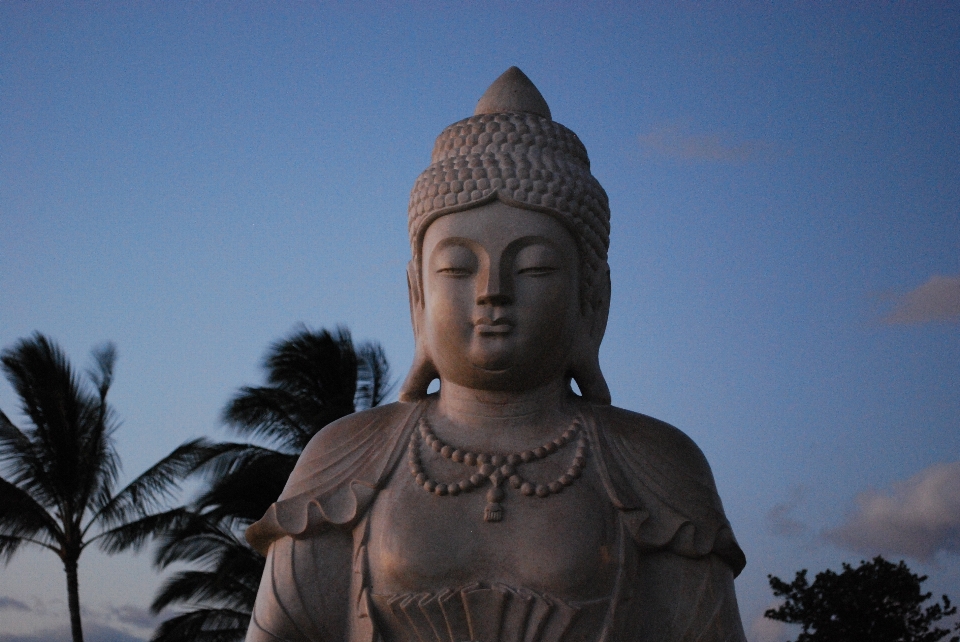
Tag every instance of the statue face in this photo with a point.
(501, 300)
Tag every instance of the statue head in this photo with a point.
(526, 179)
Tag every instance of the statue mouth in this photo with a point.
(486, 327)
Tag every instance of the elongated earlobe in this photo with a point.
(422, 372)
(590, 380)
(585, 359)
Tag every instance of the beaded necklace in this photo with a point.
(496, 467)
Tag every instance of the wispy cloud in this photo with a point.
(92, 632)
(936, 300)
(125, 623)
(780, 519)
(673, 142)
(917, 518)
(135, 616)
(8, 603)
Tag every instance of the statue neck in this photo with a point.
(537, 410)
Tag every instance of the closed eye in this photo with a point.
(454, 260)
(455, 271)
(536, 259)
(542, 270)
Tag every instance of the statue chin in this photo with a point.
(492, 360)
(504, 372)
(531, 515)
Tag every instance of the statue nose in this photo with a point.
(493, 290)
(494, 299)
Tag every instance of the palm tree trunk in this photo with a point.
(73, 599)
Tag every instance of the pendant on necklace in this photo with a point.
(494, 510)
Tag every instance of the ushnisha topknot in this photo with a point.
(510, 150)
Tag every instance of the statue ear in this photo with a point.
(422, 372)
(585, 360)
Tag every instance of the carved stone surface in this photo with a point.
(505, 507)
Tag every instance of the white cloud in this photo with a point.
(936, 300)
(918, 518)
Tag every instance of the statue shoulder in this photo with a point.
(655, 440)
(661, 481)
(354, 447)
(350, 439)
(338, 474)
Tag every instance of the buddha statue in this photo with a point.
(505, 507)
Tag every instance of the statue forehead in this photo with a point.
(498, 224)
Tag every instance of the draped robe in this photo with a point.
(678, 555)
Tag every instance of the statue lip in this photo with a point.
(498, 326)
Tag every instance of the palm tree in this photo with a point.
(57, 476)
(313, 378)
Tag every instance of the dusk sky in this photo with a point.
(191, 180)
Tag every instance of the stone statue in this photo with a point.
(505, 507)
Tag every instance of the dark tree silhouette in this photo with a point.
(876, 602)
(58, 475)
(313, 378)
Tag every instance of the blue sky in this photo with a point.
(191, 180)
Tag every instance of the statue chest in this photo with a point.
(564, 544)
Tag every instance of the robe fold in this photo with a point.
(678, 557)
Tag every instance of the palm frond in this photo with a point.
(243, 495)
(134, 534)
(213, 546)
(276, 415)
(147, 492)
(23, 463)
(198, 540)
(103, 424)
(96, 487)
(204, 625)
(21, 517)
(313, 379)
(9, 546)
(225, 589)
(104, 358)
(5, 422)
(42, 377)
(309, 362)
(233, 457)
(71, 433)
(373, 376)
